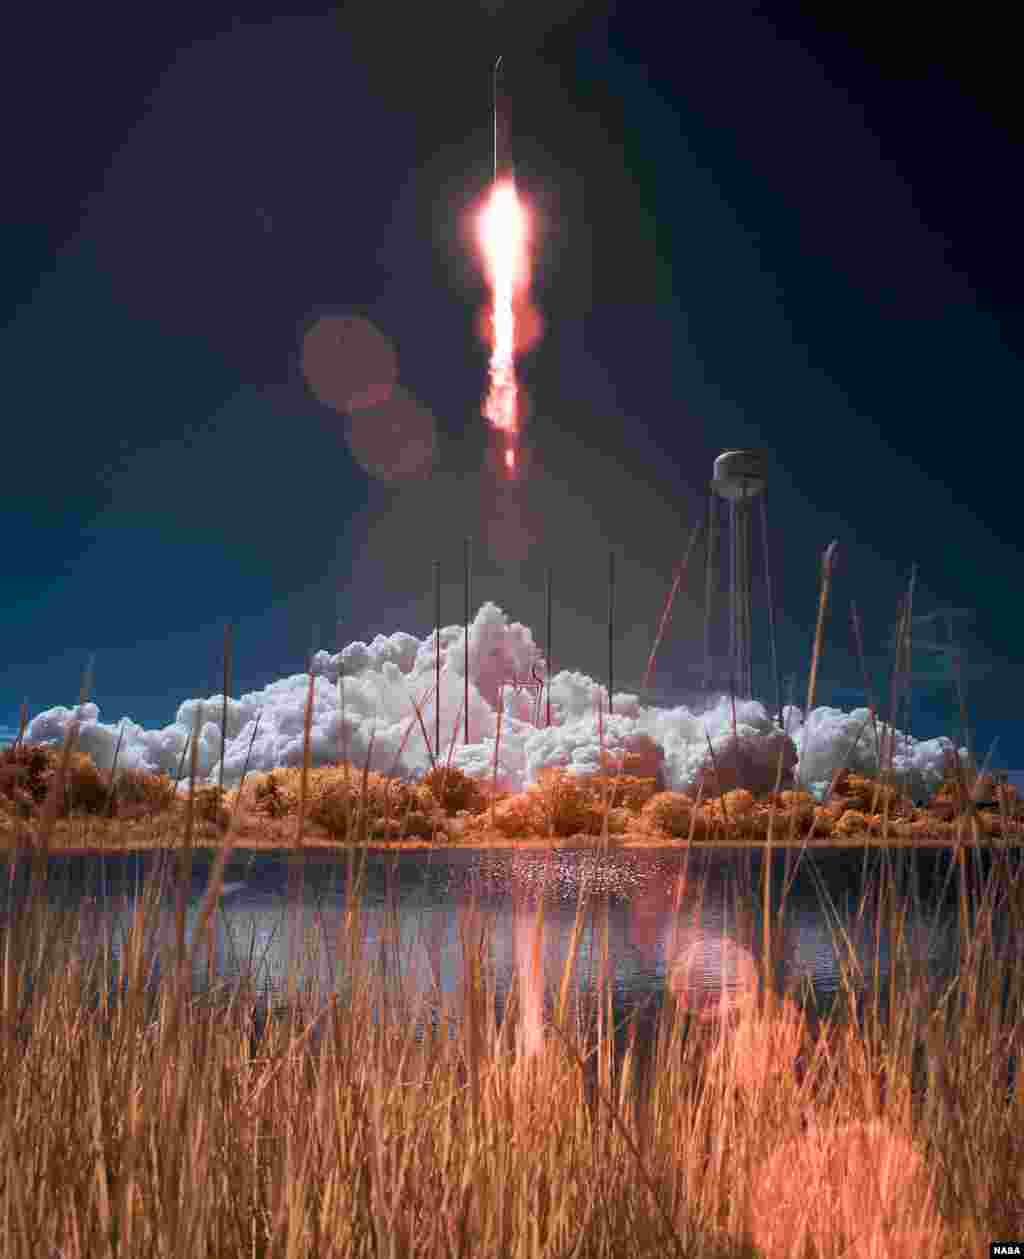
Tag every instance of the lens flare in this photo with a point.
(504, 237)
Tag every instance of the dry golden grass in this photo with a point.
(162, 1123)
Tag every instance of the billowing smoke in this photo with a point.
(378, 681)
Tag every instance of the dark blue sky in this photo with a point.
(754, 230)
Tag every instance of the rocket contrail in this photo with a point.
(503, 167)
(504, 238)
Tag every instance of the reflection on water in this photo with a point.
(689, 927)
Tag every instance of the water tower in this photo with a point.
(739, 477)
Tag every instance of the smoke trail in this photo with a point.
(504, 242)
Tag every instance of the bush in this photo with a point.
(518, 816)
(739, 803)
(209, 807)
(852, 822)
(86, 789)
(800, 800)
(925, 827)
(24, 773)
(625, 790)
(333, 812)
(268, 796)
(855, 791)
(991, 824)
(141, 794)
(454, 790)
(417, 824)
(669, 812)
(619, 821)
(825, 821)
(569, 807)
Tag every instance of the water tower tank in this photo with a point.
(739, 474)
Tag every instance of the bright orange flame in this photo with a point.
(504, 242)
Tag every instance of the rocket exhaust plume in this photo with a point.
(504, 239)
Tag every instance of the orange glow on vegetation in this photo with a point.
(504, 238)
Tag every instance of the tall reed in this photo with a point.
(355, 1120)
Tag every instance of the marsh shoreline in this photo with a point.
(573, 844)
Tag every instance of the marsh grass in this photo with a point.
(375, 1118)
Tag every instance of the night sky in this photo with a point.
(753, 230)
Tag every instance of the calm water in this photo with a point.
(717, 924)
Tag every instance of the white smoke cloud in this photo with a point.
(381, 678)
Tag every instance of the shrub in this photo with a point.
(331, 811)
(863, 796)
(739, 803)
(142, 794)
(852, 822)
(87, 790)
(668, 812)
(474, 823)
(24, 773)
(825, 821)
(856, 791)
(569, 808)
(624, 791)
(796, 800)
(925, 827)
(209, 807)
(519, 815)
(268, 796)
(418, 824)
(454, 790)
(794, 810)
(619, 821)
(991, 824)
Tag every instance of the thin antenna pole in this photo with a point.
(743, 591)
(547, 601)
(437, 656)
(224, 712)
(733, 590)
(748, 594)
(611, 626)
(742, 588)
(902, 707)
(341, 699)
(707, 589)
(465, 655)
(909, 658)
(771, 608)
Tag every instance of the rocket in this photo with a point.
(503, 168)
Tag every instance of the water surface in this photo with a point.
(660, 905)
